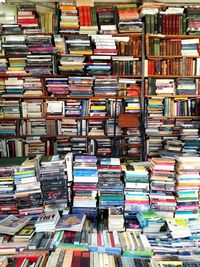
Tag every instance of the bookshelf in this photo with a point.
(66, 83)
(171, 81)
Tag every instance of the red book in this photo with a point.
(76, 261)
(99, 241)
(112, 239)
(89, 16)
(85, 14)
(85, 259)
(81, 16)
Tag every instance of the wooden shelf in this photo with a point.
(170, 57)
(172, 96)
(172, 76)
(174, 117)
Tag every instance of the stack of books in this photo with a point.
(39, 64)
(55, 108)
(14, 45)
(36, 127)
(186, 86)
(47, 221)
(54, 182)
(129, 18)
(136, 190)
(8, 127)
(34, 145)
(32, 86)
(110, 183)
(68, 127)
(27, 16)
(74, 107)
(85, 185)
(63, 145)
(155, 107)
(150, 221)
(32, 108)
(116, 219)
(71, 63)
(40, 44)
(57, 86)
(99, 65)
(193, 20)
(13, 87)
(162, 184)
(11, 108)
(16, 65)
(107, 20)
(178, 228)
(98, 108)
(102, 146)
(187, 187)
(108, 86)
(79, 145)
(105, 45)
(69, 21)
(96, 127)
(8, 203)
(78, 45)
(132, 105)
(3, 65)
(28, 190)
(80, 86)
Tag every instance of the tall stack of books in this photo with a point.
(54, 182)
(162, 184)
(32, 108)
(28, 189)
(98, 108)
(69, 21)
(193, 20)
(8, 203)
(36, 127)
(14, 45)
(187, 187)
(11, 108)
(96, 127)
(13, 87)
(16, 65)
(136, 190)
(110, 184)
(85, 185)
(32, 86)
(105, 45)
(79, 145)
(116, 219)
(39, 64)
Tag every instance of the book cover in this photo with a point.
(71, 222)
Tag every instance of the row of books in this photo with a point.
(111, 19)
(173, 47)
(34, 108)
(175, 67)
(160, 18)
(172, 107)
(71, 86)
(177, 86)
(74, 237)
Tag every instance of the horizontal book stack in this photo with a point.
(40, 44)
(78, 45)
(79, 145)
(28, 190)
(106, 20)
(98, 108)
(105, 45)
(116, 219)
(129, 19)
(27, 16)
(108, 86)
(187, 187)
(10, 108)
(136, 191)
(162, 186)
(32, 86)
(193, 20)
(47, 221)
(110, 183)
(34, 146)
(132, 105)
(54, 182)
(80, 86)
(69, 20)
(13, 87)
(39, 64)
(32, 108)
(98, 64)
(71, 64)
(150, 221)
(57, 86)
(75, 107)
(35, 127)
(14, 45)
(85, 185)
(16, 66)
(96, 127)
(68, 127)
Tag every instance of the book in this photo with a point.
(71, 222)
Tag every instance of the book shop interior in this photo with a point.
(99, 133)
